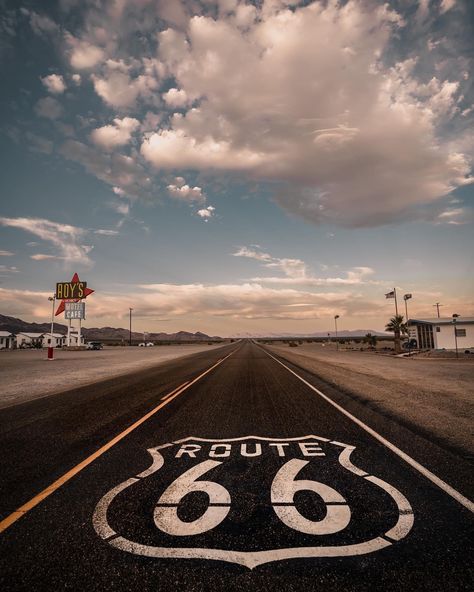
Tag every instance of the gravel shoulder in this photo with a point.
(433, 396)
(27, 374)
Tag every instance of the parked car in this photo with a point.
(94, 345)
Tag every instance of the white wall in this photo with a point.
(444, 339)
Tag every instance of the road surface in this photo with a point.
(229, 470)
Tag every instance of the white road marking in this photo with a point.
(464, 501)
(283, 489)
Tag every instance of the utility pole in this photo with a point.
(455, 318)
(50, 349)
(437, 307)
(130, 329)
(407, 297)
(335, 324)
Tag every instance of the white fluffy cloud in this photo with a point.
(49, 108)
(83, 54)
(54, 83)
(175, 98)
(117, 134)
(303, 97)
(181, 190)
(206, 213)
(118, 88)
(66, 239)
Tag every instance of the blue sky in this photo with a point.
(230, 167)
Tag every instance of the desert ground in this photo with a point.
(435, 395)
(27, 374)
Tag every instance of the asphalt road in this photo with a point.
(244, 478)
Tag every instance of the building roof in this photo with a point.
(442, 321)
(5, 334)
(31, 335)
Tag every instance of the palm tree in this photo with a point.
(397, 327)
(371, 340)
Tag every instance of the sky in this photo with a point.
(237, 167)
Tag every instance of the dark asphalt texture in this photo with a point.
(56, 545)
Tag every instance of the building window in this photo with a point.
(460, 332)
(438, 329)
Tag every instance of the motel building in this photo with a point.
(7, 340)
(57, 340)
(442, 333)
(24, 340)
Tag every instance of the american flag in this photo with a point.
(390, 294)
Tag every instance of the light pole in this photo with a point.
(335, 325)
(407, 297)
(437, 307)
(455, 318)
(130, 328)
(50, 349)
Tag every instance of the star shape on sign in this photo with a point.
(87, 292)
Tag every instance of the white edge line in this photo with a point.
(464, 501)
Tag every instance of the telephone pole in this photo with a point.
(437, 307)
(130, 329)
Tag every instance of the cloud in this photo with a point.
(54, 83)
(49, 108)
(118, 134)
(6, 254)
(176, 98)
(82, 54)
(181, 190)
(103, 232)
(66, 239)
(455, 216)
(306, 97)
(118, 170)
(45, 257)
(41, 24)
(296, 272)
(119, 89)
(38, 143)
(5, 269)
(206, 213)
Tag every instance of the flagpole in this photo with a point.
(396, 304)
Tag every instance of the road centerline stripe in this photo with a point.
(464, 501)
(29, 505)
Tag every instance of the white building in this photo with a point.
(7, 340)
(74, 339)
(443, 333)
(57, 341)
(29, 339)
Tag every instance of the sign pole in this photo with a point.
(69, 334)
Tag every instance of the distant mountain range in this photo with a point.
(318, 334)
(103, 333)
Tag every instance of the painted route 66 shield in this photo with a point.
(252, 500)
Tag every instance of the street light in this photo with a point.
(130, 329)
(335, 324)
(455, 318)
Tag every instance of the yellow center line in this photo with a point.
(22, 510)
(168, 395)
